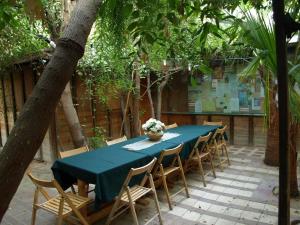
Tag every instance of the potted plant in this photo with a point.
(154, 129)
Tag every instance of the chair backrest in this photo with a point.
(202, 140)
(219, 134)
(168, 152)
(140, 170)
(219, 123)
(72, 152)
(117, 140)
(41, 184)
(173, 125)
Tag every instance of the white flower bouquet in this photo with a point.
(154, 129)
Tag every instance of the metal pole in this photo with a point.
(284, 175)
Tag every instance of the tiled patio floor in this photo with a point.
(242, 194)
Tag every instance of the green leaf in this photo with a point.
(193, 82)
(172, 18)
(149, 38)
(141, 4)
(172, 4)
(205, 69)
(127, 10)
(133, 26)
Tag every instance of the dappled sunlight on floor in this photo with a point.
(241, 194)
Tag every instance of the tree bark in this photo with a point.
(33, 122)
(160, 89)
(293, 127)
(125, 120)
(66, 98)
(72, 117)
(150, 96)
(272, 148)
(136, 105)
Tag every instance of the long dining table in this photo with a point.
(107, 167)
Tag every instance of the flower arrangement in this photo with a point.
(153, 128)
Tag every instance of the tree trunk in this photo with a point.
(272, 149)
(136, 105)
(160, 89)
(158, 103)
(33, 122)
(66, 98)
(72, 117)
(125, 121)
(150, 96)
(293, 130)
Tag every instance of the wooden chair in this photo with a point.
(215, 123)
(218, 146)
(117, 140)
(64, 205)
(162, 172)
(173, 125)
(201, 152)
(73, 152)
(129, 195)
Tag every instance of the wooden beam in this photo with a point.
(282, 77)
(231, 130)
(4, 107)
(108, 114)
(14, 108)
(23, 86)
(250, 131)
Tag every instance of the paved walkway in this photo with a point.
(242, 194)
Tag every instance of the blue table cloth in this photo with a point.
(108, 167)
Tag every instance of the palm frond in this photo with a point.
(259, 33)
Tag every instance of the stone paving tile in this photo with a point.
(241, 195)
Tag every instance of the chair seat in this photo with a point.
(52, 205)
(169, 170)
(136, 193)
(202, 155)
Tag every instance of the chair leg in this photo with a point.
(33, 218)
(184, 182)
(219, 158)
(80, 217)
(132, 209)
(112, 212)
(201, 172)
(60, 211)
(226, 152)
(156, 200)
(167, 191)
(60, 220)
(212, 165)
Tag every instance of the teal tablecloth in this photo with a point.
(108, 167)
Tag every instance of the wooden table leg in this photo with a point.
(83, 191)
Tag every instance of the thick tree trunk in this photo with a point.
(136, 106)
(150, 96)
(33, 122)
(272, 148)
(66, 98)
(293, 159)
(72, 117)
